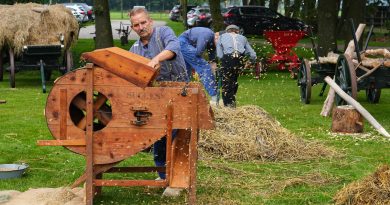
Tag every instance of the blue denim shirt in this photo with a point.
(201, 38)
(171, 70)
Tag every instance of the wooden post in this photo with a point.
(347, 119)
(193, 152)
(1, 64)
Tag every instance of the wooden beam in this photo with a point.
(110, 182)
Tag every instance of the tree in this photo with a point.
(351, 9)
(327, 23)
(297, 8)
(103, 32)
(273, 4)
(216, 15)
(287, 8)
(184, 11)
(309, 12)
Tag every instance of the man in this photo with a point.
(231, 49)
(163, 48)
(193, 43)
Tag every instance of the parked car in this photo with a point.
(174, 14)
(83, 16)
(256, 19)
(199, 16)
(88, 9)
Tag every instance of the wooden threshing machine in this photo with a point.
(108, 112)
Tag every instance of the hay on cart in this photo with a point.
(250, 133)
(36, 24)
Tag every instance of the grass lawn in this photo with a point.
(22, 123)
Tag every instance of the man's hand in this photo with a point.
(154, 63)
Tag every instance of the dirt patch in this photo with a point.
(250, 133)
(373, 189)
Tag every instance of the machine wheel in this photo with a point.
(373, 95)
(304, 81)
(345, 77)
(12, 68)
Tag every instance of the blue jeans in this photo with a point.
(200, 65)
(160, 152)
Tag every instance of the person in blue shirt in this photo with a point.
(163, 48)
(193, 43)
(231, 49)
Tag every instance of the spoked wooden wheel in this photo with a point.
(304, 81)
(345, 77)
(373, 95)
(102, 111)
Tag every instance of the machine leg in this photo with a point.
(42, 76)
(89, 189)
(193, 153)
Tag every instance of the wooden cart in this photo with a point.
(108, 112)
(43, 57)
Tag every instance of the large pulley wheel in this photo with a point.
(304, 81)
(373, 94)
(345, 77)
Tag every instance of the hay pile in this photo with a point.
(374, 189)
(35, 24)
(250, 133)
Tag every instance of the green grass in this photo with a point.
(117, 15)
(22, 123)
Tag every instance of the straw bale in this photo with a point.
(373, 189)
(36, 24)
(250, 133)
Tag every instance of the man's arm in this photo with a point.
(163, 56)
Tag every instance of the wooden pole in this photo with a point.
(358, 107)
(328, 103)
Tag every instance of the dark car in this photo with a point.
(199, 16)
(174, 14)
(256, 19)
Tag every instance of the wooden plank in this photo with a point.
(63, 113)
(135, 169)
(169, 141)
(78, 142)
(97, 170)
(124, 64)
(124, 183)
(180, 161)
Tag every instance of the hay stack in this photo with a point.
(35, 24)
(250, 133)
(374, 189)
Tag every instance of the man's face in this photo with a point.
(142, 25)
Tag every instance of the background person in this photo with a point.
(231, 50)
(163, 48)
(193, 43)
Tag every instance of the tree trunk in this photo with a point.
(216, 15)
(287, 8)
(184, 11)
(273, 4)
(297, 8)
(327, 22)
(350, 9)
(310, 13)
(103, 32)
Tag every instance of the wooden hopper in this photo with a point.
(94, 112)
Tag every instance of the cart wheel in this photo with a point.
(345, 77)
(304, 81)
(12, 68)
(373, 95)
